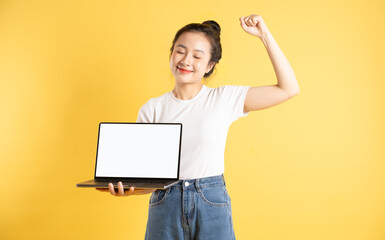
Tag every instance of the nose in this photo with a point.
(186, 60)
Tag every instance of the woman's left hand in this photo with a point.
(254, 25)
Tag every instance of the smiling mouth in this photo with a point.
(184, 71)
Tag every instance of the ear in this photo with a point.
(210, 66)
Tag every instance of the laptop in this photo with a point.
(142, 155)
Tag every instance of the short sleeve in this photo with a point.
(234, 98)
(146, 113)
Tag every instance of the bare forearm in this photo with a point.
(284, 72)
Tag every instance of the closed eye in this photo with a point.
(183, 53)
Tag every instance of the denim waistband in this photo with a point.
(199, 182)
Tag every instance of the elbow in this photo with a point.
(293, 93)
(295, 90)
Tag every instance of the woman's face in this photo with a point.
(190, 57)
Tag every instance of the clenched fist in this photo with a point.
(254, 25)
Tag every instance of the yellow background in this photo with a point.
(310, 168)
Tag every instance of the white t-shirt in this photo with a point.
(206, 119)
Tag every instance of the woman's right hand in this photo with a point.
(123, 193)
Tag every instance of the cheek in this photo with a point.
(172, 61)
(200, 66)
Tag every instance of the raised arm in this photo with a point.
(267, 96)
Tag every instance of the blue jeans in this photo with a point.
(191, 209)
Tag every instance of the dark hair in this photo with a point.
(212, 31)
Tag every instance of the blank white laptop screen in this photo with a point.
(138, 150)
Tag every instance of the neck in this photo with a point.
(186, 91)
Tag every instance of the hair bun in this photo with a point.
(213, 25)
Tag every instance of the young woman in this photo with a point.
(199, 207)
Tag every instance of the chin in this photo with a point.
(185, 81)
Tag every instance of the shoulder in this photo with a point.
(147, 112)
(155, 102)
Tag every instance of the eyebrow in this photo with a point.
(198, 50)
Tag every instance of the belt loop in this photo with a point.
(168, 189)
(197, 186)
(223, 178)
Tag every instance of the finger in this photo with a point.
(251, 22)
(257, 19)
(120, 189)
(243, 24)
(131, 190)
(111, 188)
(245, 21)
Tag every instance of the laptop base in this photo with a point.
(126, 184)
